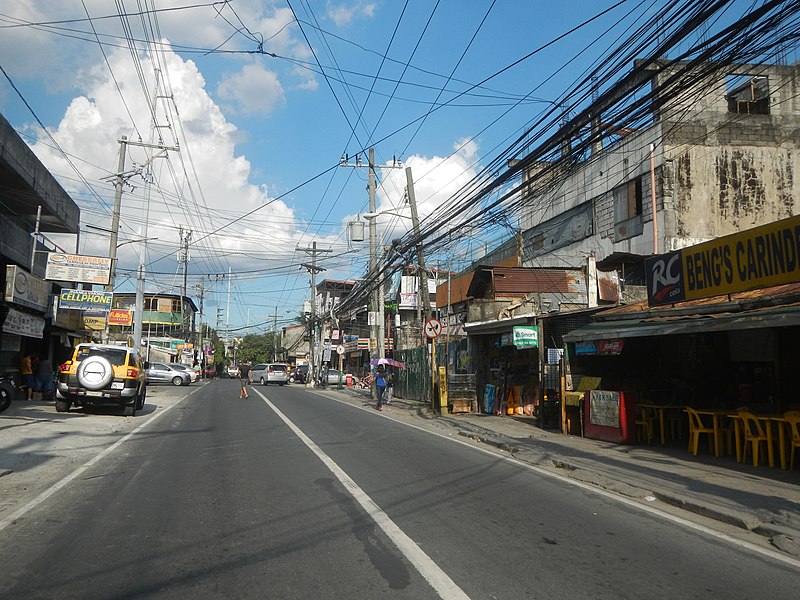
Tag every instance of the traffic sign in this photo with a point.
(433, 328)
(340, 349)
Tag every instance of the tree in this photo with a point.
(255, 348)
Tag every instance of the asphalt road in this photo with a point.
(293, 494)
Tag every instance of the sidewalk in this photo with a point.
(760, 499)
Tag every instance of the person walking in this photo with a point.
(389, 387)
(245, 377)
(380, 386)
(44, 379)
(26, 371)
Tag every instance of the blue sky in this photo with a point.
(263, 98)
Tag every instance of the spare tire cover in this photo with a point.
(95, 372)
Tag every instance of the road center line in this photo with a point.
(430, 571)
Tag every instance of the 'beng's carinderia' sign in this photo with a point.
(757, 258)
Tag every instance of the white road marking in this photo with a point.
(430, 571)
(652, 510)
(20, 512)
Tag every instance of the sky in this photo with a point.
(256, 104)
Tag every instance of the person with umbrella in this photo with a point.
(380, 385)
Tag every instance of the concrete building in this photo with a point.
(721, 149)
(30, 195)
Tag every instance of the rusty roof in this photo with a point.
(517, 282)
(771, 296)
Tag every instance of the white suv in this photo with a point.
(265, 373)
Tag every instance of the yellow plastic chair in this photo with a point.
(696, 428)
(794, 428)
(645, 423)
(753, 435)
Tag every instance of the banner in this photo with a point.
(119, 316)
(525, 337)
(78, 268)
(26, 290)
(85, 300)
(20, 323)
(757, 258)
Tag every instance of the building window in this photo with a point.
(628, 210)
(628, 200)
(747, 95)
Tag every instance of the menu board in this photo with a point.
(604, 408)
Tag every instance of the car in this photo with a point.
(194, 375)
(102, 374)
(299, 374)
(233, 371)
(165, 373)
(266, 373)
(210, 371)
(332, 376)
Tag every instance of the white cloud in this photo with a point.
(254, 90)
(202, 186)
(344, 14)
(436, 180)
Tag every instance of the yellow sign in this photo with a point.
(119, 316)
(757, 258)
(94, 323)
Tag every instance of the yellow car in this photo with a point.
(102, 374)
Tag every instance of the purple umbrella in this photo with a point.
(387, 361)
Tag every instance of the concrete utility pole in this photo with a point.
(376, 319)
(275, 337)
(313, 269)
(201, 287)
(118, 183)
(425, 295)
(424, 300)
(183, 257)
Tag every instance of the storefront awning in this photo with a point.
(780, 316)
(497, 325)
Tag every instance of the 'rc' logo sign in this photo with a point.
(664, 275)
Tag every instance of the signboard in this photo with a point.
(20, 323)
(525, 337)
(119, 316)
(78, 268)
(85, 300)
(607, 347)
(433, 328)
(26, 290)
(604, 408)
(757, 258)
(94, 321)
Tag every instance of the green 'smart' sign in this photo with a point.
(756, 258)
(85, 300)
(525, 337)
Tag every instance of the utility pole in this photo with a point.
(376, 318)
(425, 295)
(228, 309)
(200, 336)
(313, 269)
(118, 183)
(275, 337)
(183, 257)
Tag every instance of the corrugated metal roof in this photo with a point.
(517, 282)
(770, 296)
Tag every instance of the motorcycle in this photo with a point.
(7, 391)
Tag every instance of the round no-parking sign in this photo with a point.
(433, 328)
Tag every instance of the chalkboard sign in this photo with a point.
(604, 408)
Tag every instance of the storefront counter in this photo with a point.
(610, 416)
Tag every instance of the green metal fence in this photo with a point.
(414, 381)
